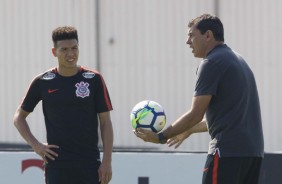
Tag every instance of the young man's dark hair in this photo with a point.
(64, 33)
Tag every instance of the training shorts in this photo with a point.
(71, 176)
(231, 170)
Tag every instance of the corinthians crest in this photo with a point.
(82, 89)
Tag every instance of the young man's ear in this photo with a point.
(54, 52)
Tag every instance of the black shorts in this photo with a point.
(71, 176)
(231, 170)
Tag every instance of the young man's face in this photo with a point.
(67, 53)
(197, 42)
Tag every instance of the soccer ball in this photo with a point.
(148, 115)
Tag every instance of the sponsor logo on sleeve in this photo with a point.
(49, 76)
(88, 75)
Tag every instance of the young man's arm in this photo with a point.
(105, 170)
(23, 128)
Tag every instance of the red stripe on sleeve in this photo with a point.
(107, 100)
(106, 97)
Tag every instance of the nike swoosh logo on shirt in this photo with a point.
(52, 90)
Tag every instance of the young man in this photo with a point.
(73, 99)
(226, 94)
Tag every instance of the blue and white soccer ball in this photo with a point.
(149, 115)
